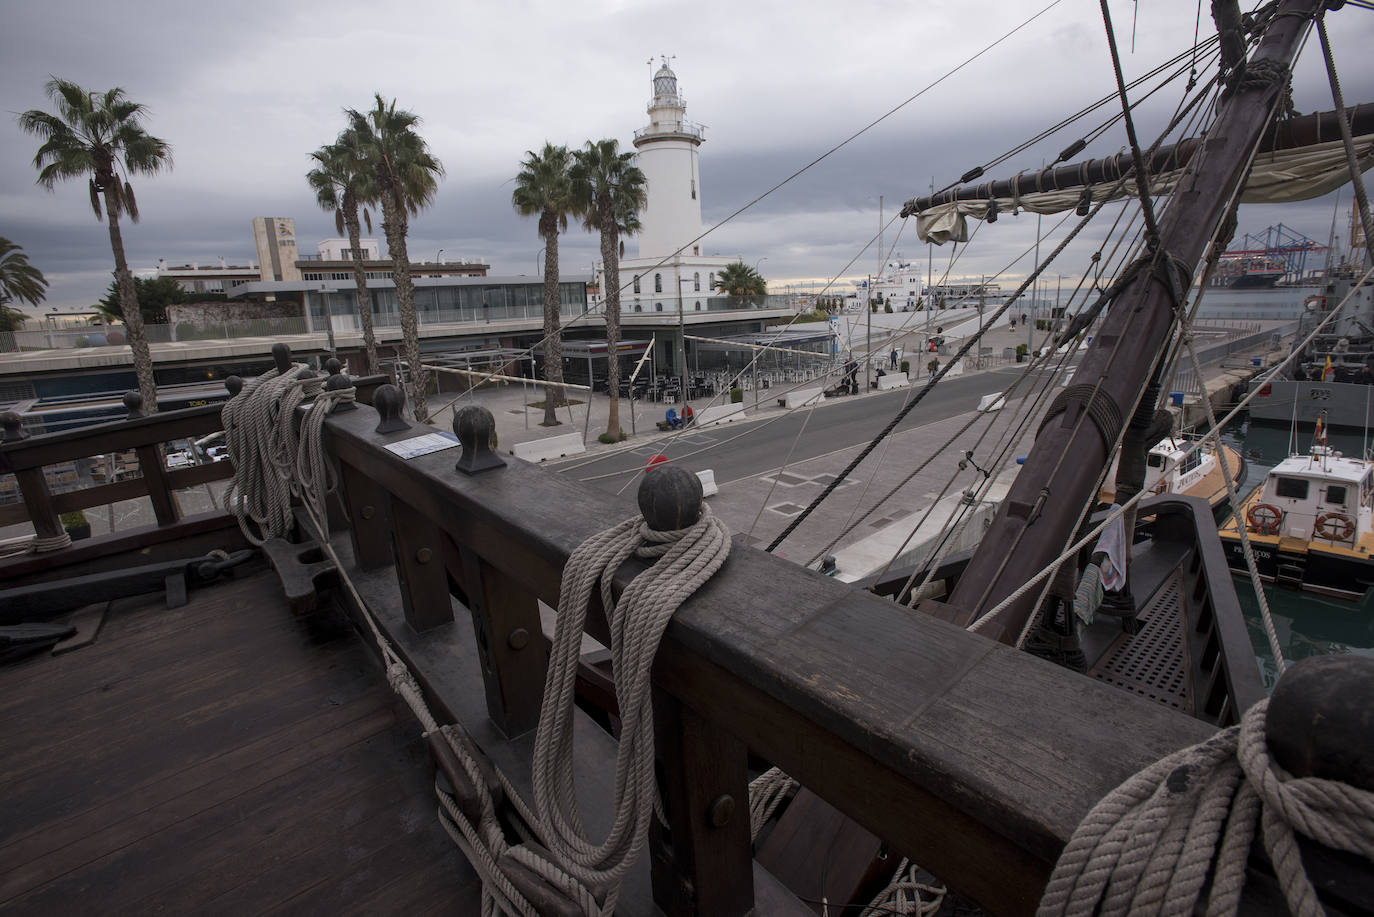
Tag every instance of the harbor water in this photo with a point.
(1307, 624)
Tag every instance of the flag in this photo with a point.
(1319, 434)
(1328, 371)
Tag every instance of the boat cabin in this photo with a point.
(1323, 496)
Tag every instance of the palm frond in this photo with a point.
(130, 204)
(95, 200)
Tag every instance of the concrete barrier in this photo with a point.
(720, 413)
(992, 402)
(956, 368)
(538, 450)
(892, 380)
(801, 396)
(708, 482)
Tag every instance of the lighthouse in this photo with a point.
(668, 156)
(671, 268)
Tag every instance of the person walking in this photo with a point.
(933, 366)
(893, 362)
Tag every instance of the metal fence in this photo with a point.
(1243, 342)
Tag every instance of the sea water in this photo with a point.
(1307, 624)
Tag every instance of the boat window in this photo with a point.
(1335, 495)
(1191, 462)
(1155, 461)
(1291, 487)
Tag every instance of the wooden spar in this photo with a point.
(1291, 133)
(1038, 517)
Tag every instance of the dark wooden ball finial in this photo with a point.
(670, 498)
(475, 428)
(335, 383)
(333, 366)
(388, 401)
(281, 355)
(134, 402)
(1320, 721)
(13, 427)
(233, 385)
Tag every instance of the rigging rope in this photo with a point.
(1149, 845)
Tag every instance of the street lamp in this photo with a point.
(437, 260)
(758, 262)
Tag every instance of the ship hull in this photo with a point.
(1346, 404)
(1340, 574)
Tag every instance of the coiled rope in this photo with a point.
(686, 559)
(1150, 845)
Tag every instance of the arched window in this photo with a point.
(658, 283)
(638, 307)
(696, 281)
(636, 283)
(658, 307)
(711, 280)
(698, 305)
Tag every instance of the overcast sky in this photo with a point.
(244, 92)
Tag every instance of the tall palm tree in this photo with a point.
(19, 281)
(406, 177)
(610, 191)
(95, 135)
(739, 279)
(544, 187)
(342, 183)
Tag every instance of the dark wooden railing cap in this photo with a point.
(13, 426)
(336, 382)
(670, 498)
(333, 366)
(233, 385)
(1320, 721)
(475, 428)
(134, 402)
(388, 401)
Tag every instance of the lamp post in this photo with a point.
(437, 260)
(328, 319)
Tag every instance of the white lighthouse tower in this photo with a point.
(668, 157)
(662, 277)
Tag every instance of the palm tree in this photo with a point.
(406, 177)
(544, 187)
(91, 135)
(343, 183)
(739, 279)
(610, 191)
(19, 281)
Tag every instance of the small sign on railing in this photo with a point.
(423, 445)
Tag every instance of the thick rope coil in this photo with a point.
(766, 792)
(1150, 845)
(259, 495)
(42, 544)
(687, 558)
(906, 894)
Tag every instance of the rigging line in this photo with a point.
(1197, 27)
(1212, 57)
(944, 371)
(1356, 176)
(1081, 113)
(893, 491)
(806, 421)
(1142, 177)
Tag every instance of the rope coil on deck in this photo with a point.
(1151, 845)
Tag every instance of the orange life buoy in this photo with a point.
(1335, 526)
(1264, 518)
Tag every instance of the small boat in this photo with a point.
(1311, 525)
(1170, 470)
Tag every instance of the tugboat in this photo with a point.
(1311, 525)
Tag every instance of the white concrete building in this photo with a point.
(275, 238)
(340, 250)
(670, 264)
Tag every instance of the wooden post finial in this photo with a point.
(388, 401)
(134, 402)
(475, 428)
(670, 498)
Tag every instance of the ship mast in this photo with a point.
(1037, 519)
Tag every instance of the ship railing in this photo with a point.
(968, 756)
(121, 465)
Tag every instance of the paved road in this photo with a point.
(736, 451)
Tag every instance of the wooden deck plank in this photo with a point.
(223, 757)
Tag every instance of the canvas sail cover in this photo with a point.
(1277, 177)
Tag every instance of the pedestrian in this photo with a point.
(894, 359)
(933, 366)
(851, 376)
(1023, 318)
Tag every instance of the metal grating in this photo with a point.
(824, 479)
(786, 509)
(1154, 662)
(788, 480)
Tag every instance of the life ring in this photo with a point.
(1335, 526)
(1264, 518)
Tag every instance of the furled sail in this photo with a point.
(1290, 168)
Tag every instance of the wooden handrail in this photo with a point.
(973, 758)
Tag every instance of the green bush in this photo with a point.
(736, 396)
(888, 308)
(72, 519)
(906, 367)
(608, 438)
(1022, 350)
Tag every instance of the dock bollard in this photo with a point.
(1320, 721)
(475, 428)
(670, 498)
(134, 402)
